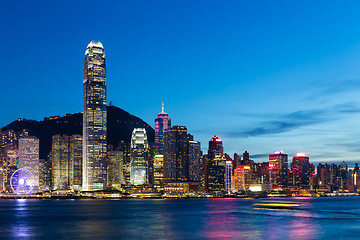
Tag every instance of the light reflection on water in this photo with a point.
(318, 218)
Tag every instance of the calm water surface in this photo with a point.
(313, 218)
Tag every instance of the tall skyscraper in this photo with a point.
(94, 118)
(215, 166)
(162, 124)
(75, 162)
(176, 160)
(194, 161)
(159, 171)
(66, 156)
(278, 170)
(115, 169)
(60, 154)
(139, 157)
(215, 148)
(239, 178)
(300, 168)
(228, 175)
(29, 157)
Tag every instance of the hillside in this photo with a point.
(119, 123)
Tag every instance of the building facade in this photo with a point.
(60, 154)
(139, 157)
(29, 157)
(162, 124)
(94, 118)
(115, 163)
(176, 160)
(194, 161)
(278, 170)
(300, 169)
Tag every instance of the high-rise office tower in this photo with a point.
(29, 157)
(94, 118)
(194, 161)
(323, 175)
(162, 124)
(60, 154)
(215, 148)
(66, 156)
(228, 175)
(278, 170)
(215, 166)
(300, 168)
(115, 169)
(75, 162)
(176, 160)
(239, 178)
(159, 171)
(139, 157)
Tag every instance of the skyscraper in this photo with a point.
(300, 168)
(228, 175)
(94, 118)
(215, 166)
(115, 169)
(139, 157)
(66, 156)
(75, 162)
(194, 161)
(216, 149)
(162, 124)
(60, 154)
(29, 157)
(278, 170)
(176, 160)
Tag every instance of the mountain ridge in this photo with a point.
(120, 125)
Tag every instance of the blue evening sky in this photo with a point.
(262, 75)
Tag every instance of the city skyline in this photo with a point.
(259, 83)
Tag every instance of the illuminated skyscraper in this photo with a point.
(139, 157)
(159, 171)
(29, 156)
(60, 154)
(239, 178)
(215, 148)
(115, 169)
(162, 124)
(94, 118)
(66, 156)
(278, 170)
(228, 175)
(176, 160)
(194, 161)
(300, 168)
(215, 166)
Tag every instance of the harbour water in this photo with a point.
(286, 218)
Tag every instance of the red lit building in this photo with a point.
(300, 168)
(278, 170)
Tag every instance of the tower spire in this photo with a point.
(162, 107)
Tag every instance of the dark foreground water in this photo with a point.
(314, 218)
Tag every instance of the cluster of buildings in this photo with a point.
(174, 164)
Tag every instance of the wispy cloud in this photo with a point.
(295, 120)
(325, 89)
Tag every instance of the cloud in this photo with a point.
(295, 120)
(328, 88)
(350, 107)
(285, 123)
(348, 146)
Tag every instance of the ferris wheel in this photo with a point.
(22, 181)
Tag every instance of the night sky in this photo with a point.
(262, 76)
